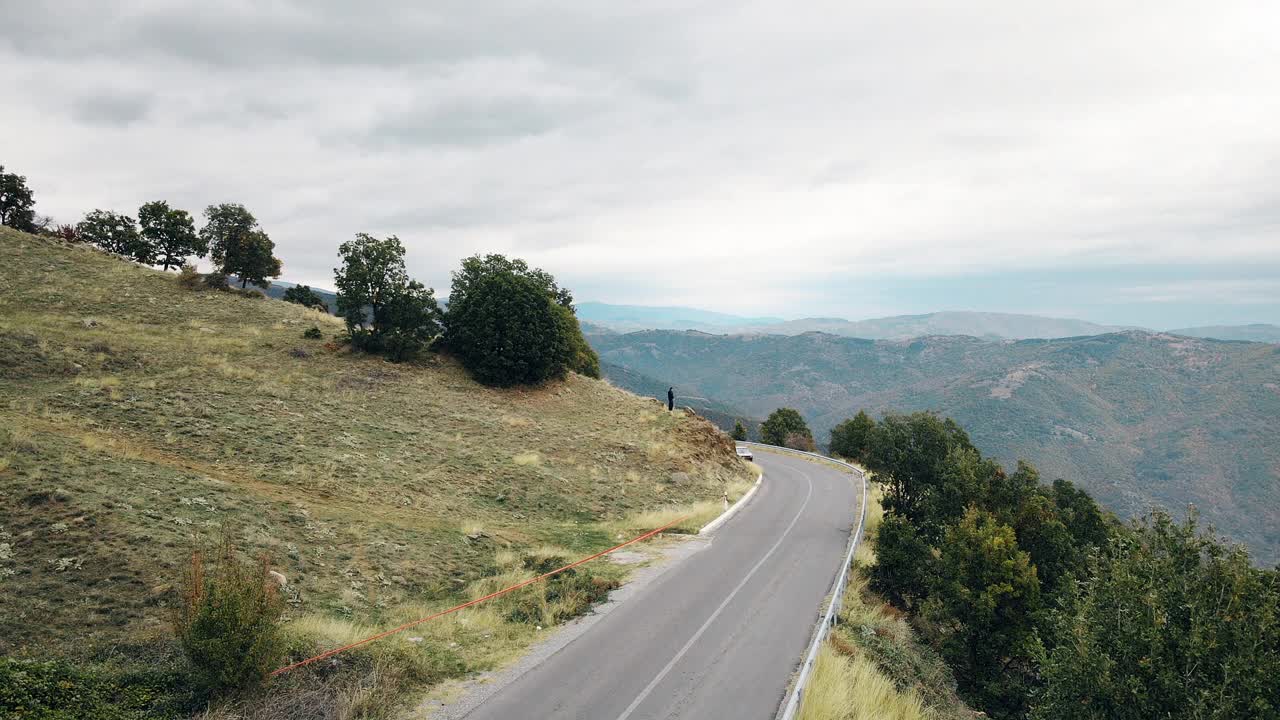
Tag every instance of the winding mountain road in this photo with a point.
(719, 633)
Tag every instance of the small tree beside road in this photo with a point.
(781, 425)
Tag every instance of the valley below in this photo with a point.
(1140, 419)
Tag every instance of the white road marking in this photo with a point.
(654, 683)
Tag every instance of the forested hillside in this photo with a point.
(1137, 418)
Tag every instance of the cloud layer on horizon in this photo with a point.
(740, 156)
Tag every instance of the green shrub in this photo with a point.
(217, 280)
(312, 333)
(512, 325)
(781, 424)
(57, 690)
(303, 295)
(189, 278)
(227, 622)
(560, 597)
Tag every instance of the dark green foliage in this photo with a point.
(739, 432)
(981, 608)
(780, 424)
(1171, 624)
(849, 438)
(904, 562)
(227, 620)
(238, 246)
(312, 333)
(217, 280)
(170, 233)
(57, 690)
(303, 295)
(385, 311)
(1042, 606)
(512, 325)
(117, 234)
(572, 592)
(16, 202)
(582, 359)
(907, 453)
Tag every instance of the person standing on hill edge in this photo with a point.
(671, 399)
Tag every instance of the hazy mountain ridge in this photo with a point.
(1257, 332)
(1136, 417)
(630, 318)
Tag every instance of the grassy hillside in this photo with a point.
(724, 416)
(1136, 418)
(138, 419)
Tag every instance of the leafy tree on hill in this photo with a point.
(849, 438)
(117, 234)
(512, 325)
(983, 604)
(16, 202)
(782, 423)
(303, 295)
(739, 432)
(385, 311)
(1172, 623)
(238, 246)
(907, 454)
(171, 233)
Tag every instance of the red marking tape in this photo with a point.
(477, 601)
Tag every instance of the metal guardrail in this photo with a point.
(792, 708)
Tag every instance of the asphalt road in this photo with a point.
(719, 634)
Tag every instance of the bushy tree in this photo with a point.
(582, 359)
(384, 310)
(17, 203)
(782, 423)
(171, 234)
(117, 234)
(739, 432)
(849, 438)
(303, 295)
(904, 562)
(907, 454)
(510, 324)
(238, 246)
(1173, 624)
(982, 607)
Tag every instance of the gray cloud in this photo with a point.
(111, 109)
(762, 150)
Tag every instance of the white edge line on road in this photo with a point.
(658, 678)
(724, 516)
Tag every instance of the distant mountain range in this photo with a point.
(1138, 418)
(1007, 326)
(625, 318)
(1259, 332)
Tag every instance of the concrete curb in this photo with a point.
(733, 509)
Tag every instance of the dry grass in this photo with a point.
(846, 687)
(871, 666)
(146, 417)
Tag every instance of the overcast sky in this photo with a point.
(1117, 161)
